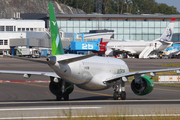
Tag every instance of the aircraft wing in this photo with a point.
(52, 74)
(130, 51)
(128, 74)
(124, 50)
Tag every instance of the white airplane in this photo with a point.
(142, 48)
(88, 72)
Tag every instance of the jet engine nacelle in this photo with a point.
(143, 88)
(26, 76)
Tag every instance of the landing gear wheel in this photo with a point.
(66, 96)
(58, 97)
(123, 95)
(115, 95)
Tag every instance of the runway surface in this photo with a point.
(28, 99)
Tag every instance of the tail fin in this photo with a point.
(56, 44)
(167, 35)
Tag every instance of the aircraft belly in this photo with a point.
(93, 87)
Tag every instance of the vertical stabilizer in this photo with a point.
(56, 44)
(167, 35)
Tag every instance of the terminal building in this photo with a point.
(33, 31)
(14, 33)
(146, 27)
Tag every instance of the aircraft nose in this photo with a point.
(51, 60)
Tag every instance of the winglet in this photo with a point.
(56, 44)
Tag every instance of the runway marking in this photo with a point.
(167, 90)
(91, 116)
(33, 85)
(52, 108)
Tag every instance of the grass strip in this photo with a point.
(171, 65)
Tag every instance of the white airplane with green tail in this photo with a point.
(88, 72)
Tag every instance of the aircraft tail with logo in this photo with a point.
(56, 44)
(167, 34)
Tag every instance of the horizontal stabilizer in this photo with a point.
(28, 59)
(52, 74)
(66, 61)
(165, 42)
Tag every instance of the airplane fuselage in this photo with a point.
(133, 47)
(89, 73)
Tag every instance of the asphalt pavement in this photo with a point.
(26, 99)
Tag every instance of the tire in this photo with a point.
(55, 88)
(115, 95)
(123, 95)
(66, 96)
(58, 97)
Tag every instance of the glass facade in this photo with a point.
(1, 42)
(4, 43)
(147, 30)
(1, 28)
(9, 28)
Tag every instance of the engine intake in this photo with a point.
(144, 88)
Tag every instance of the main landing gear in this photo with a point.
(60, 88)
(119, 90)
(62, 93)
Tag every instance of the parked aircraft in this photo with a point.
(142, 48)
(88, 72)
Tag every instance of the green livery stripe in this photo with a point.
(56, 44)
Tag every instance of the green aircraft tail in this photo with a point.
(56, 44)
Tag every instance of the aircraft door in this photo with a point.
(155, 45)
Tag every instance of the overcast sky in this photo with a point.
(175, 3)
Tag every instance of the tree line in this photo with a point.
(121, 6)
